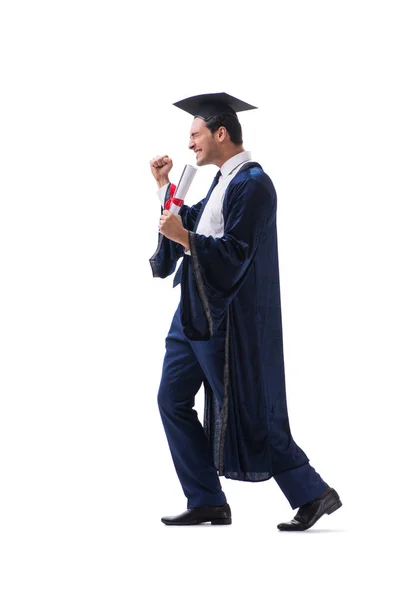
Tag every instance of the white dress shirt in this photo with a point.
(212, 219)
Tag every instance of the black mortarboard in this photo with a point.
(211, 105)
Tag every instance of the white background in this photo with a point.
(86, 101)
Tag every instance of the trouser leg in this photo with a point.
(181, 379)
(301, 485)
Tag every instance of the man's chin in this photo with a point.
(200, 162)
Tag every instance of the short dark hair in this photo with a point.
(231, 124)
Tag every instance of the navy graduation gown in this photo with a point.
(233, 281)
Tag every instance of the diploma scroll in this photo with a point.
(182, 188)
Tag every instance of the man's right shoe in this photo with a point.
(309, 513)
(216, 515)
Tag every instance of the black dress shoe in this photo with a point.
(217, 515)
(309, 513)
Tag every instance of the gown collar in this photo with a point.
(232, 163)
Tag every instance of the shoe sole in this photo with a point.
(227, 521)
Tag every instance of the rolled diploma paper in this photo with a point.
(182, 188)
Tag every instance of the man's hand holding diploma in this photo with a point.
(170, 222)
(171, 226)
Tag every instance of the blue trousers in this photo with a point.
(186, 365)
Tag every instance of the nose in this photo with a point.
(191, 144)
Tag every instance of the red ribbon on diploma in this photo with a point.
(172, 199)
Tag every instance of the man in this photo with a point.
(227, 331)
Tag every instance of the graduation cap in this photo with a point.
(212, 105)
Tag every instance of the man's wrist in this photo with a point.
(163, 181)
(185, 239)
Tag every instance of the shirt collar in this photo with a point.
(231, 164)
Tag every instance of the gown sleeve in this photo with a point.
(214, 273)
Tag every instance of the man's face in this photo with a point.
(202, 142)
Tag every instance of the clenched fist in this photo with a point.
(171, 226)
(160, 167)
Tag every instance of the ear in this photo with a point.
(222, 133)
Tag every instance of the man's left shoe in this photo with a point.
(309, 513)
